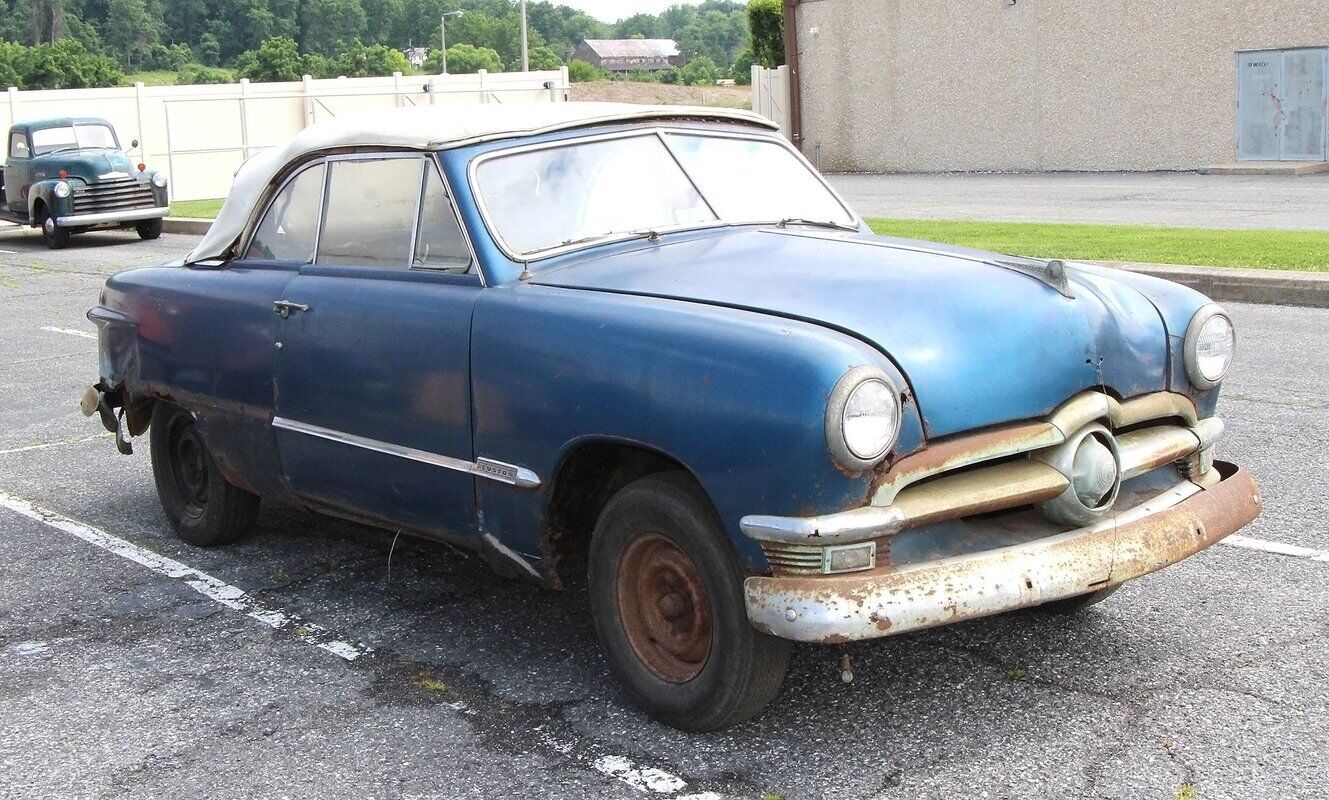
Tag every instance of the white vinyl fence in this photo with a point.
(199, 135)
(770, 95)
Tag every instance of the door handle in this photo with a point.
(283, 308)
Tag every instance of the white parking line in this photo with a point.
(45, 445)
(212, 588)
(70, 331)
(1278, 548)
(646, 778)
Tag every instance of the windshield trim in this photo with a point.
(659, 132)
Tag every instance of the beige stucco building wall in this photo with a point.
(921, 85)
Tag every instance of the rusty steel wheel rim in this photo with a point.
(665, 611)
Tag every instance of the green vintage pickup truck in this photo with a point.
(68, 175)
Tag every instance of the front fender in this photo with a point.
(43, 192)
(737, 397)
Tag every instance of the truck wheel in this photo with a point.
(149, 228)
(56, 237)
(203, 507)
(666, 593)
(1070, 605)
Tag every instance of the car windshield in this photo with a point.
(543, 199)
(72, 137)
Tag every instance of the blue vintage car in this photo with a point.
(653, 341)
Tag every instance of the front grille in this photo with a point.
(797, 558)
(117, 194)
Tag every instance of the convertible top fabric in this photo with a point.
(426, 128)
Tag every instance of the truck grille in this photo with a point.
(119, 194)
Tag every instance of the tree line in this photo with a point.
(78, 43)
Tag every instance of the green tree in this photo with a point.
(463, 58)
(766, 28)
(643, 26)
(544, 58)
(277, 59)
(582, 72)
(13, 63)
(332, 25)
(130, 31)
(742, 70)
(67, 64)
(700, 71)
(359, 61)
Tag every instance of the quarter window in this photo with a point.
(18, 145)
(290, 227)
(370, 212)
(439, 242)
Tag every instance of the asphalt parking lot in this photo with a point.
(306, 662)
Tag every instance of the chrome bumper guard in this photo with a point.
(108, 217)
(862, 605)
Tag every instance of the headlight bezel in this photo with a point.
(159, 180)
(63, 189)
(845, 388)
(1190, 354)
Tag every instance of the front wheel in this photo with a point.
(202, 506)
(666, 594)
(149, 228)
(56, 236)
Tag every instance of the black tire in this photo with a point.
(741, 670)
(1072, 605)
(203, 507)
(149, 228)
(56, 237)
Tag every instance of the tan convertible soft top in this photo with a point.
(427, 128)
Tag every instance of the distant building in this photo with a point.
(417, 56)
(625, 55)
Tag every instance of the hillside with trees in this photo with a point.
(47, 44)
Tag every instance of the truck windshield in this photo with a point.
(541, 200)
(73, 137)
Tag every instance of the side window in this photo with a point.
(18, 145)
(290, 227)
(371, 212)
(439, 241)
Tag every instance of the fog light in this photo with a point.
(850, 557)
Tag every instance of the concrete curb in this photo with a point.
(187, 225)
(1230, 284)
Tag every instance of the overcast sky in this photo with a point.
(614, 10)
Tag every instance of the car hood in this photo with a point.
(980, 343)
(89, 166)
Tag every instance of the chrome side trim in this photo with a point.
(128, 215)
(500, 471)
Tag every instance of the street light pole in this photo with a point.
(443, 37)
(525, 58)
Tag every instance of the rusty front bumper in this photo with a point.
(1171, 526)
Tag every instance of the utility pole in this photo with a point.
(525, 56)
(443, 37)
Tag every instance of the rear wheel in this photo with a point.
(203, 507)
(149, 228)
(666, 593)
(56, 237)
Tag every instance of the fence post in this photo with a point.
(754, 88)
(244, 118)
(484, 95)
(138, 109)
(396, 89)
(309, 104)
(566, 82)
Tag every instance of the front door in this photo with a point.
(1281, 105)
(373, 411)
(18, 173)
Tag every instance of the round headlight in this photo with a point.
(159, 180)
(1210, 343)
(862, 418)
(62, 189)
